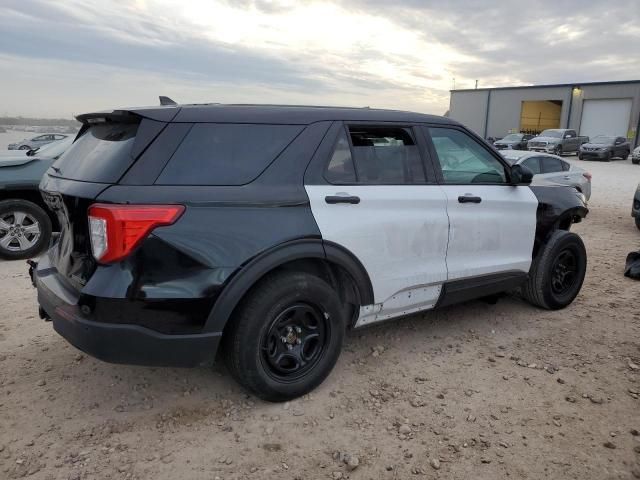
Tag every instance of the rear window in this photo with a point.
(226, 154)
(102, 154)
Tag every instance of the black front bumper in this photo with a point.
(116, 343)
(593, 155)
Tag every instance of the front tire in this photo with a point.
(638, 222)
(635, 161)
(557, 272)
(286, 336)
(558, 150)
(25, 229)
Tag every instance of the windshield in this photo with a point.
(602, 139)
(552, 133)
(513, 137)
(54, 149)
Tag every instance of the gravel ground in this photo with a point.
(473, 391)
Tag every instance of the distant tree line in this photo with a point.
(44, 122)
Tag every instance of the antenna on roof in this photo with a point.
(166, 101)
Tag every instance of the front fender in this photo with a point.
(558, 208)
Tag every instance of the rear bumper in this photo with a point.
(117, 343)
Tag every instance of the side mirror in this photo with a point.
(521, 175)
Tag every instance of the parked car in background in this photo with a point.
(635, 156)
(635, 207)
(551, 168)
(25, 221)
(513, 141)
(35, 142)
(605, 147)
(557, 141)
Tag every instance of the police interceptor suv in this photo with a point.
(263, 233)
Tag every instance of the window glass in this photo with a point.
(565, 165)
(385, 156)
(226, 154)
(340, 169)
(550, 165)
(463, 160)
(533, 164)
(102, 154)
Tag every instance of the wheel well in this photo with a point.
(331, 273)
(32, 196)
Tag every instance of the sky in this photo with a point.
(66, 57)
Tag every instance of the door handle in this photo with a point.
(332, 199)
(469, 199)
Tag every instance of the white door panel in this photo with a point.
(399, 234)
(495, 235)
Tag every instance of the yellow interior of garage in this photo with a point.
(539, 115)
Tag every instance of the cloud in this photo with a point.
(76, 55)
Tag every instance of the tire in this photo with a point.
(625, 155)
(635, 161)
(638, 222)
(580, 157)
(265, 329)
(546, 287)
(608, 157)
(28, 241)
(558, 150)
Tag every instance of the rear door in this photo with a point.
(375, 199)
(556, 170)
(492, 223)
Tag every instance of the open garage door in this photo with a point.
(606, 117)
(536, 116)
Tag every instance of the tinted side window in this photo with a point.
(226, 154)
(532, 164)
(565, 165)
(463, 160)
(550, 165)
(340, 168)
(386, 156)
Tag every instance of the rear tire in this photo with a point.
(638, 222)
(286, 336)
(558, 271)
(25, 229)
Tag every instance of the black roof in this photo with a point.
(283, 114)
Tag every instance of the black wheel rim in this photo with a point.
(564, 272)
(295, 341)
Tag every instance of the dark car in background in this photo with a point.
(25, 221)
(605, 147)
(513, 141)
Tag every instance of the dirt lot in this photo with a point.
(474, 391)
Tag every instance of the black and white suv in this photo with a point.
(270, 230)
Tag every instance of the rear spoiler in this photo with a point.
(130, 115)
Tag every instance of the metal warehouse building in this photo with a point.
(608, 108)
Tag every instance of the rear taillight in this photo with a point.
(587, 175)
(116, 230)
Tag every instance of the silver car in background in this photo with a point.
(551, 168)
(35, 142)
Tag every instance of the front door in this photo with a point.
(492, 223)
(375, 200)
